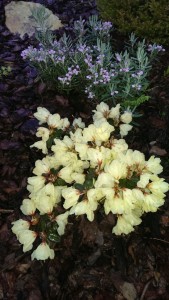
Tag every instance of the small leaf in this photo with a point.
(43, 222)
(55, 226)
(128, 183)
(54, 237)
(57, 134)
(49, 142)
(79, 186)
(54, 171)
(91, 174)
(60, 182)
(88, 184)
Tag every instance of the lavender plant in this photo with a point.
(87, 65)
(86, 169)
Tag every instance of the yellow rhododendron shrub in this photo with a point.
(85, 169)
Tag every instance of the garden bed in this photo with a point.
(90, 262)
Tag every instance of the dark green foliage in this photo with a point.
(146, 18)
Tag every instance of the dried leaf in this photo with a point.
(158, 151)
(127, 289)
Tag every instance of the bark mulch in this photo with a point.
(90, 262)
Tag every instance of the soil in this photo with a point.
(90, 263)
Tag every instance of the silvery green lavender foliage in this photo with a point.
(86, 64)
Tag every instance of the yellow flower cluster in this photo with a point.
(87, 168)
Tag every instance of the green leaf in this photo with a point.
(79, 186)
(55, 226)
(43, 222)
(91, 174)
(54, 237)
(57, 134)
(54, 171)
(129, 183)
(166, 72)
(49, 142)
(88, 184)
(60, 182)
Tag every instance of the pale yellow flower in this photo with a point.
(115, 204)
(65, 173)
(78, 178)
(103, 131)
(133, 217)
(153, 165)
(104, 180)
(82, 150)
(65, 124)
(151, 203)
(158, 186)
(42, 115)
(68, 159)
(26, 238)
(118, 147)
(45, 199)
(138, 196)
(78, 123)
(58, 193)
(35, 183)
(102, 107)
(19, 226)
(124, 129)
(28, 207)
(144, 180)
(127, 157)
(71, 196)
(122, 226)
(126, 117)
(43, 133)
(108, 194)
(115, 113)
(62, 221)
(62, 146)
(54, 121)
(117, 169)
(84, 207)
(128, 200)
(41, 145)
(93, 196)
(138, 158)
(43, 252)
(89, 134)
(43, 166)
(108, 155)
(77, 136)
(126, 222)
(95, 156)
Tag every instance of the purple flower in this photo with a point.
(155, 47)
(118, 57)
(136, 86)
(114, 93)
(125, 70)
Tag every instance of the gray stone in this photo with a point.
(18, 18)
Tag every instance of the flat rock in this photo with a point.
(18, 18)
